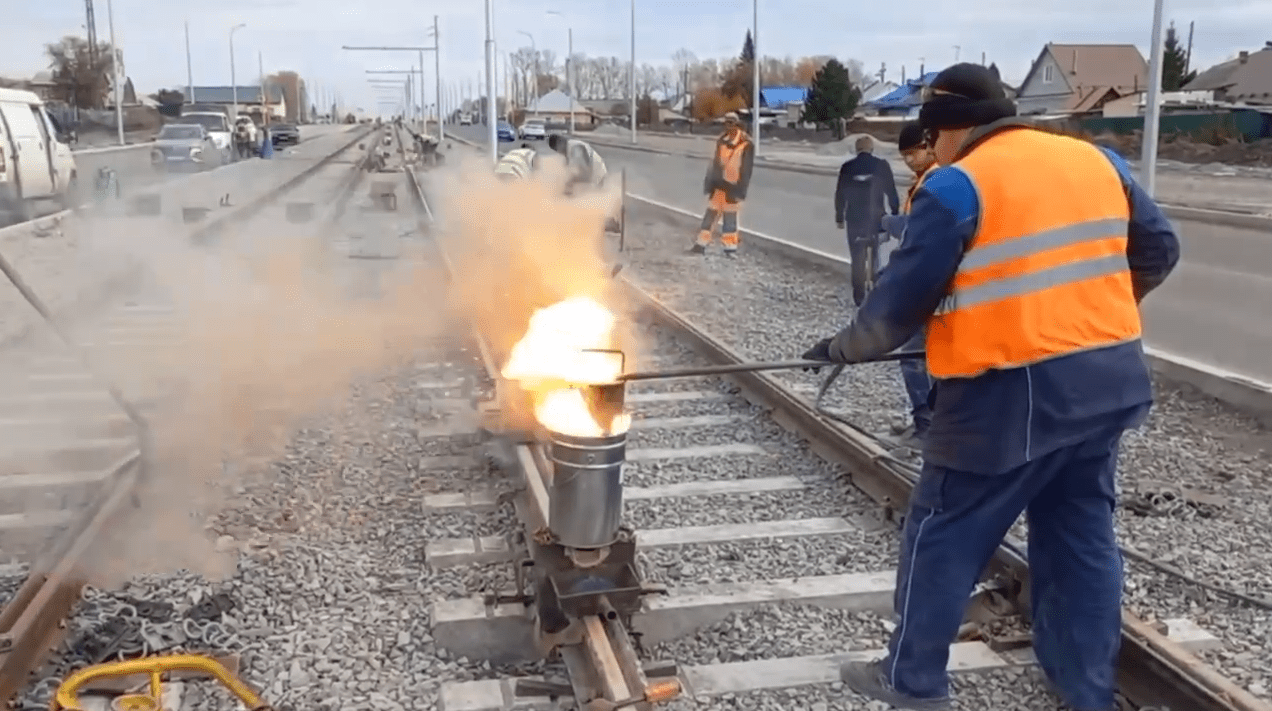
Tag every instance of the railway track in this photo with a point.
(774, 560)
(767, 532)
(79, 439)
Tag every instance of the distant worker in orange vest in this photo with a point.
(726, 183)
(1026, 256)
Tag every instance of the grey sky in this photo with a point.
(306, 35)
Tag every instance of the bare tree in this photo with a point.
(682, 63)
(77, 78)
(646, 79)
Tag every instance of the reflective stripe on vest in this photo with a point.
(1046, 274)
(730, 159)
(517, 163)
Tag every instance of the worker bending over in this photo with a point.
(516, 164)
(726, 183)
(586, 167)
(1026, 255)
(918, 384)
(865, 182)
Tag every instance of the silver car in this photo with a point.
(534, 129)
(184, 148)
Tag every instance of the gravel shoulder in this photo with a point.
(771, 308)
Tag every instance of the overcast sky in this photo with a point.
(306, 35)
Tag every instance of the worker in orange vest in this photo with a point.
(1026, 255)
(726, 183)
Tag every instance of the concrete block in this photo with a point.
(502, 634)
(1191, 636)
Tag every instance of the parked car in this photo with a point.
(36, 164)
(505, 131)
(465, 119)
(184, 147)
(217, 125)
(534, 128)
(284, 134)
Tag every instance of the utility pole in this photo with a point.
(1188, 52)
(492, 133)
(437, 70)
(260, 66)
(90, 24)
(233, 77)
(631, 77)
(757, 99)
(957, 50)
(189, 65)
(1152, 110)
(114, 70)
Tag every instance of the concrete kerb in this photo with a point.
(1250, 396)
(147, 145)
(1223, 218)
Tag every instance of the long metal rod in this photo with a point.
(755, 367)
(1152, 106)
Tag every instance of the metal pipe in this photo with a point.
(755, 367)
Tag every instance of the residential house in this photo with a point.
(556, 106)
(1246, 79)
(876, 89)
(903, 101)
(249, 99)
(1081, 78)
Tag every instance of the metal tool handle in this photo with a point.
(755, 367)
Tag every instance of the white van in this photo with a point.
(34, 164)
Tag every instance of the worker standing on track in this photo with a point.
(918, 384)
(726, 184)
(865, 182)
(585, 165)
(516, 164)
(1026, 255)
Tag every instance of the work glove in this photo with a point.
(821, 351)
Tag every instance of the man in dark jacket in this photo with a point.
(864, 183)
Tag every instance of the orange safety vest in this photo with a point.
(729, 158)
(1046, 273)
(918, 182)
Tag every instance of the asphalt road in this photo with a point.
(1216, 308)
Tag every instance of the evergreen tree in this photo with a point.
(748, 49)
(832, 95)
(1175, 72)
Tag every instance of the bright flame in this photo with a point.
(552, 359)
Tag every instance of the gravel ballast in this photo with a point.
(770, 307)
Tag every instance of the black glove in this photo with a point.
(821, 351)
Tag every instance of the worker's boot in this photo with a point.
(697, 249)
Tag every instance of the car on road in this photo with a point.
(534, 128)
(505, 131)
(184, 147)
(465, 119)
(36, 164)
(284, 134)
(217, 125)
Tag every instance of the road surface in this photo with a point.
(1216, 308)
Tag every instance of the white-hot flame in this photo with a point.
(553, 358)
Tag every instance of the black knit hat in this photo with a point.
(911, 137)
(963, 96)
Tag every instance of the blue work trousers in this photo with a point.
(918, 384)
(864, 268)
(955, 522)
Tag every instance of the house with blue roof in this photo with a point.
(902, 101)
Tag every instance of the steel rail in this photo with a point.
(1153, 671)
(31, 621)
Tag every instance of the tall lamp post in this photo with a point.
(755, 71)
(114, 70)
(492, 133)
(569, 66)
(1153, 107)
(233, 76)
(631, 75)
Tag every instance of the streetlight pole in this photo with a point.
(189, 66)
(755, 71)
(957, 50)
(233, 76)
(631, 75)
(114, 70)
(492, 134)
(260, 67)
(1153, 108)
(437, 70)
